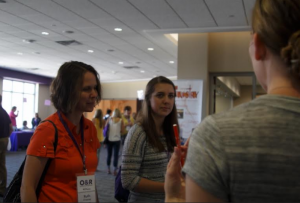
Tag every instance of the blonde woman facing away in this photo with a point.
(99, 123)
(251, 153)
(116, 126)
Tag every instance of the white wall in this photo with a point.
(122, 90)
(223, 103)
(44, 94)
(228, 52)
(246, 94)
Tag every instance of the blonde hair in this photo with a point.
(99, 115)
(116, 113)
(276, 23)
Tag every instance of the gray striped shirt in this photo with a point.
(141, 160)
(250, 153)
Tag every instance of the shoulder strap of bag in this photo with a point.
(12, 193)
(38, 189)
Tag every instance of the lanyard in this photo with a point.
(73, 139)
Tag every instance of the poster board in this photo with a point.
(189, 105)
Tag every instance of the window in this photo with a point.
(23, 96)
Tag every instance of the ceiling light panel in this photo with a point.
(160, 13)
(190, 14)
(118, 29)
(222, 9)
(127, 14)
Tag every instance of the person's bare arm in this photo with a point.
(33, 169)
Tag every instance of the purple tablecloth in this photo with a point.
(20, 138)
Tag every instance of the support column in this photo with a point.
(193, 62)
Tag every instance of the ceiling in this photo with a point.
(143, 23)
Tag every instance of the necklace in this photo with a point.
(281, 87)
(292, 91)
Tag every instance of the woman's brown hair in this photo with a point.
(146, 120)
(66, 87)
(277, 24)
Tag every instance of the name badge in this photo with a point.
(86, 188)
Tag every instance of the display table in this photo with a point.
(19, 139)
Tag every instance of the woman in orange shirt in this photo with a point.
(75, 90)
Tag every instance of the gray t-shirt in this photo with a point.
(250, 153)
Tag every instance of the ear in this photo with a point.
(260, 48)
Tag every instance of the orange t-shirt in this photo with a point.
(60, 181)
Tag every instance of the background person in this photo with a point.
(116, 126)
(251, 153)
(13, 117)
(99, 123)
(35, 121)
(76, 89)
(150, 142)
(5, 131)
(107, 115)
(134, 115)
(24, 127)
(128, 121)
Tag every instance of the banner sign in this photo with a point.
(189, 105)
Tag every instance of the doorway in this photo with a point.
(228, 90)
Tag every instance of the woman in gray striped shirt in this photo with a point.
(149, 143)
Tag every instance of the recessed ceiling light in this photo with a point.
(121, 62)
(150, 49)
(20, 53)
(118, 29)
(68, 31)
(91, 51)
(45, 33)
(28, 41)
(142, 71)
(171, 61)
(32, 68)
